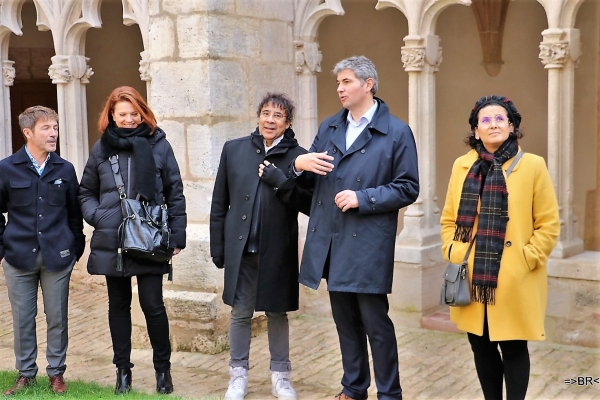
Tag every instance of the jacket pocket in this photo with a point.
(57, 194)
(20, 192)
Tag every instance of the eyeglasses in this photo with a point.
(499, 119)
(276, 115)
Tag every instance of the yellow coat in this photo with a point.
(531, 233)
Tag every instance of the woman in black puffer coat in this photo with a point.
(149, 169)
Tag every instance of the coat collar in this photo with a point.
(468, 159)
(21, 157)
(379, 123)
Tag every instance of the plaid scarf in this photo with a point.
(485, 179)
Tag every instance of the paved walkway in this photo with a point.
(433, 365)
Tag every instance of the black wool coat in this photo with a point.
(101, 206)
(43, 214)
(357, 246)
(233, 199)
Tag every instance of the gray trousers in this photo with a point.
(22, 288)
(240, 330)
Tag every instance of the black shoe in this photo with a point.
(164, 383)
(123, 380)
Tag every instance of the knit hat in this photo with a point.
(513, 115)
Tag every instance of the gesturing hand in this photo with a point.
(314, 162)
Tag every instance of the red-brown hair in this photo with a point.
(129, 94)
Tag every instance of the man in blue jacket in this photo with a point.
(39, 244)
(363, 167)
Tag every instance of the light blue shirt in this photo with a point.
(354, 129)
(38, 168)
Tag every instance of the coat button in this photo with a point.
(319, 202)
(257, 151)
(354, 234)
(508, 244)
(240, 238)
(357, 179)
(40, 215)
(39, 233)
(243, 217)
(363, 151)
(372, 200)
(335, 150)
(39, 198)
(313, 229)
(33, 250)
(247, 197)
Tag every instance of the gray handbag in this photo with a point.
(455, 288)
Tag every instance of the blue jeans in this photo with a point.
(240, 329)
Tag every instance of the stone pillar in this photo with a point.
(70, 73)
(308, 63)
(559, 52)
(419, 263)
(8, 77)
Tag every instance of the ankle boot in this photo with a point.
(164, 383)
(124, 380)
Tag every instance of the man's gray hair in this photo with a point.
(29, 117)
(362, 67)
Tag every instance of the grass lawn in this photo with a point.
(77, 390)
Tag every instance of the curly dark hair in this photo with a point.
(514, 117)
(280, 100)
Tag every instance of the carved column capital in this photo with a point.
(413, 58)
(8, 72)
(66, 68)
(554, 54)
(60, 71)
(145, 66)
(85, 78)
(307, 54)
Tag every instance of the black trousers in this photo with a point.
(119, 319)
(359, 316)
(492, 368)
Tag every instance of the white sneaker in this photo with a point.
(282, 386)
(238, 384)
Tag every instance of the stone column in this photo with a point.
(8, 77)
(559, 52)
(418, 257)
(308, 63)
(70, 73)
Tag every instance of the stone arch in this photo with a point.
(115, 50)
(10, 22)
(308, 17)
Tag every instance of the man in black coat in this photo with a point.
(254, 236)
(39, 244)
(363, 167)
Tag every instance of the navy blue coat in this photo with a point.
(234, 195)
(381, 166)
(101, 206)
(42, 216)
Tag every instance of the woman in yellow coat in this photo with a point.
(514, 224)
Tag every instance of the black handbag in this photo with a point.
(144, 233)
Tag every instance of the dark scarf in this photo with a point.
(485, 179)
(140, 140)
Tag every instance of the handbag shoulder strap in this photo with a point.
(466, 259)
(114, 164)
(515, 161)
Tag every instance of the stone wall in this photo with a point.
(211, 63)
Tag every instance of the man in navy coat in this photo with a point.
(39, 244)
(363, 167)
